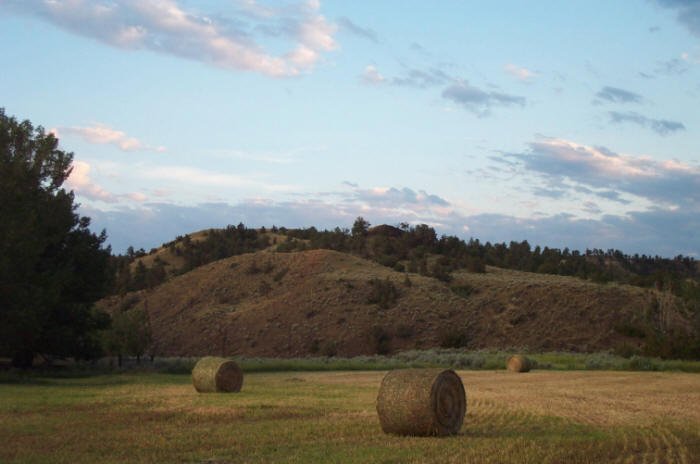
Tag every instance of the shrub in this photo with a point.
(462, 290)
(383, 293)
(279, 275)
(404, 331)
(381, 339)
(454, 338)
(329, 348)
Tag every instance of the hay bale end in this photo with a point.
(212, 374)
(421, 402)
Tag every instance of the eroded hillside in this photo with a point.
(330, 303)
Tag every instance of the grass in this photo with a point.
(539, 417)
(452, 358)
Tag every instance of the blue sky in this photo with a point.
(564, 123)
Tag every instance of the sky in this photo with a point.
(567, 124)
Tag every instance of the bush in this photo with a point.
(462, 290)
(329, 348)
(454, 338)
(381, 339)
(404, 331)
(383, 293)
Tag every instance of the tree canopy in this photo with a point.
(52, 267)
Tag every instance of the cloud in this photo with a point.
(422, 78)
(105, 135)
(616, 95)
(519, 72)
(591, 207)
(674, 66)
(80, 182)
(186, 175)
(163, 26)
(636, 232)
(399, 197)
(478, 101)
(688, 13)
(666, 183)
(412, 77)
(660, 126)
(372, 76)
(364, 32)
(152, 224)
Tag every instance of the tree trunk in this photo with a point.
(23, 359)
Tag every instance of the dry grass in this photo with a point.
(543, 417)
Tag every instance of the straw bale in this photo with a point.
(519, 363)
(213, 374)
(421, 402)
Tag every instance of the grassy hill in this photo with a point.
(323, 302)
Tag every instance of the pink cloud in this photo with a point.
(104, 135)
(164, 26)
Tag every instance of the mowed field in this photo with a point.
(538, 417)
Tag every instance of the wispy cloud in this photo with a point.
(104, 135)
(479, 101)
(411, 77)
(660, 126)
(347, 25)
(456, 90)
(688, 13)
(617, 95)
(186, 175)
(372, 76)
(422, 78)
(164, 26)
(674, 66)
(668, 183)
(519, 72)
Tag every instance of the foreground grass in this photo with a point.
(540, 417)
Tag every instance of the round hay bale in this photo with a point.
(518, 363)
(421, 402)
(212, 374)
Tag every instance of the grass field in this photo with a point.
(539, 417)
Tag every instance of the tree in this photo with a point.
(360, 227)
(52, 268)
(130, 334)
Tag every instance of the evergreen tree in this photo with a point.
(52, 268)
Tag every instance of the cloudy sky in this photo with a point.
(564, 123)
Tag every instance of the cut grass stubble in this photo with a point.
(330, 416)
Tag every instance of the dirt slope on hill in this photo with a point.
(316, 302)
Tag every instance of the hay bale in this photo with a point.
(212, 374)
(519, 363)
(421, 402)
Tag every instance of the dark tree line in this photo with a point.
(409, 247)
(215, 245)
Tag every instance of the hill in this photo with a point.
(324, 302)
